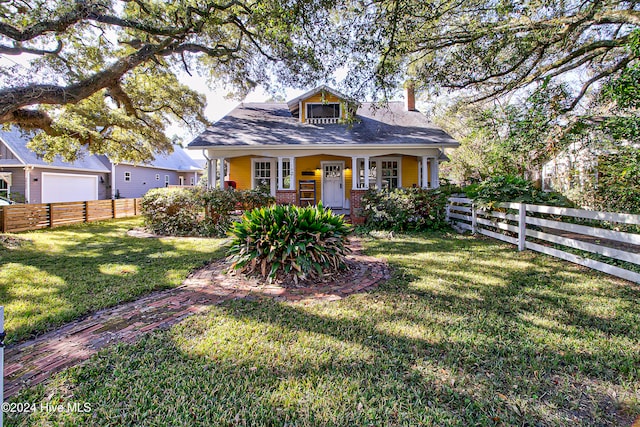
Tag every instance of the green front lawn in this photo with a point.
(50, 277)
(468, 332)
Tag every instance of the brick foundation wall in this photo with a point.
(286, 197)
(356, 206)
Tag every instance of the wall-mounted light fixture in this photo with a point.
(101, 180)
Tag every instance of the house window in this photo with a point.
(127, 176)
(264, 175)
(323, 113)
(288, 179)
(373, 175)
(4, 188)
(390, 171)
(384, 173)
(157, 177)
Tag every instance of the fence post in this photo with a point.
(5, 222)
(51, 219)
(522, 226)
(446, 210)
(2, 335)
(113, 208)
(474, 219)
(86, 211)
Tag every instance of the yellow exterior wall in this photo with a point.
(317, 99)
(409, 171)
(240, 172)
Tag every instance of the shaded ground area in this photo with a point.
(466, 332)
(34, 361)
(51, 277)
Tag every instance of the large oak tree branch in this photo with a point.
(13, 99)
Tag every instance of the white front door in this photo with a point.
(332, 184)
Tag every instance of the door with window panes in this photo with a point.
(332, 187)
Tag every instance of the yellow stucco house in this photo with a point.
(306, 150)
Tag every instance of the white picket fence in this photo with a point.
(544, 231)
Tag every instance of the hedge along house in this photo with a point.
(310, 150)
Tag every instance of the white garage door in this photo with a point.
(61, 187)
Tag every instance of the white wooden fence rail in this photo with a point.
(551, 236)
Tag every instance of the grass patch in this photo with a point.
(50, 277)
(467, 332)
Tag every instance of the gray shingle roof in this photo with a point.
(17, 140)
(178, 160)
(270, 124)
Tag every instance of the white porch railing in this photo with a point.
(542, 229)
(322, 121)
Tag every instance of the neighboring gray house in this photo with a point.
(177, 168)
(25, 177)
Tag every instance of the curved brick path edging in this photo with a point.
(34, 361)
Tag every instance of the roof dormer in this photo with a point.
(322, 105)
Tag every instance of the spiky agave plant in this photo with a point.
(282, 240)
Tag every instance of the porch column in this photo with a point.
(213, 163)
(425, 172)
(292, 182)
(222, 173)
(279, 174)
(366, 172)
(434, 173)
(354, 172)
(195, 178)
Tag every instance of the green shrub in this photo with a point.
(511, 189)
(251, 199)
(405, 209)
(277, 242)
(196, 211)
(618, 187)
(218, 206)
(172, 211)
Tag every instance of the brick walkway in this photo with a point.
(34, 361)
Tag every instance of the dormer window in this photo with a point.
(323, 113)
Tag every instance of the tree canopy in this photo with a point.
(104, 73)
(491, 48)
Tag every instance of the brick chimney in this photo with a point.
(409, 96)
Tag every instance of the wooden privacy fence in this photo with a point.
(34, 216)
(557, 232)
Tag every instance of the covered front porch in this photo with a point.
(337, 179)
